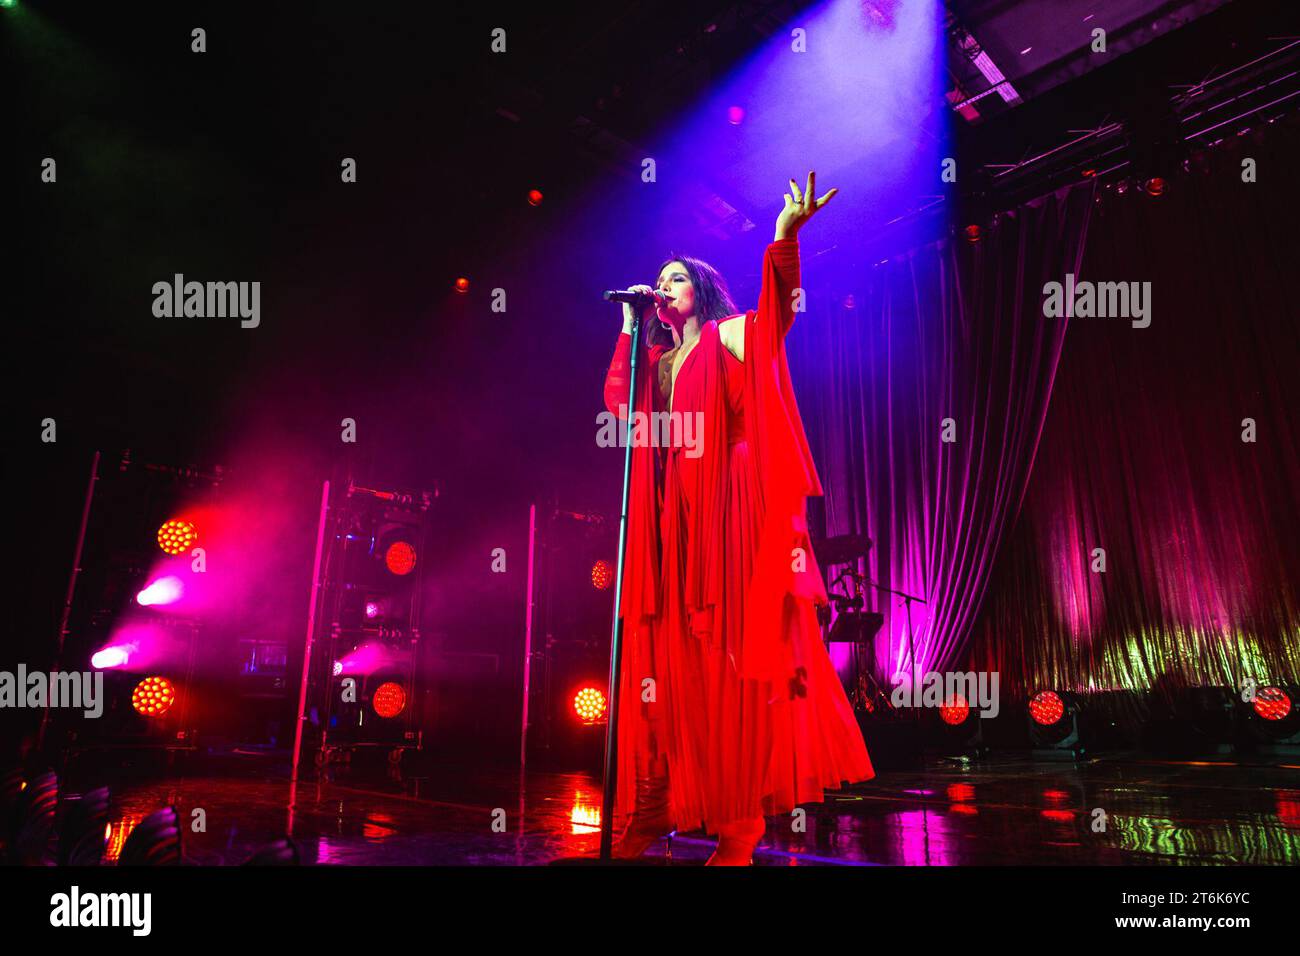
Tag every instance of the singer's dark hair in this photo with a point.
(712, 297)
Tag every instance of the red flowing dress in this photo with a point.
(724, 670)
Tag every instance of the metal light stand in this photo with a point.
(307, 646)
(330, 586)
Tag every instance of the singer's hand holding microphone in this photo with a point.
(638, 296)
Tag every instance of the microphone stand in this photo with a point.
(907, 607)
(616, 628)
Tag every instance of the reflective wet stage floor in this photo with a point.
(1106, 811)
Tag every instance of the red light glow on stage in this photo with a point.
(955, 711)
(961, 793)
(1046, 708)
(589, 704)
(1155, 186)
(584, 818)
(153, 696)
(534, 197)
(973, 233)
(602, 575)
(400, 557)
(1272, 703)
(389, 699)
(379, 826)
(1288, 808)
(176, 536)
(461, 285)
(115, 835)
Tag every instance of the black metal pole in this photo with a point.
(66, 613)
(616, 628)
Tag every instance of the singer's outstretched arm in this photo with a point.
(780, 266)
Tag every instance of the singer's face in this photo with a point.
(674, 280)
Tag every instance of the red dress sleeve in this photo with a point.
(641, 571)
(780, 279)
(784, 565)
(620, 369)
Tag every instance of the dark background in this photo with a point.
(226, 166)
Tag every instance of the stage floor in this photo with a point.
(1013, 812)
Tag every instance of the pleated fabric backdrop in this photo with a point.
(1067, 436)
(1144, 453)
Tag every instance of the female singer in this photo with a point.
(731, 709)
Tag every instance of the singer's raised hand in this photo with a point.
(799, 208)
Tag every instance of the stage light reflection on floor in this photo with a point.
(1015, 812)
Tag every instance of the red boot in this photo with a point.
(651, 817)
(736, 842)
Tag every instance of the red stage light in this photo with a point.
(1155, 186)
(589, 704)
(400, 557)
(389, 699)
(602, 575)
(153, 696)
(462, 285)
(974, 233)
(735, 115)
(1046, 708)
(1272, 703)
(176, 536)
(534, 197)
(955, 711)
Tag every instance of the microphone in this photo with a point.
(637, 298)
